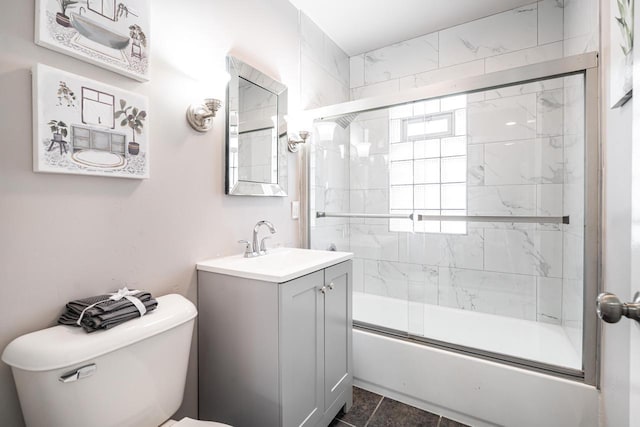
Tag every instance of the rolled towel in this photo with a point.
(107, 311)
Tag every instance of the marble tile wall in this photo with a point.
(540, 31)
(324, 72)
(518, 168)
(531, 168)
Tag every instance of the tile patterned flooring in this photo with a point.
(372, 410)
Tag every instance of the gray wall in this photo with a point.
(65, 237)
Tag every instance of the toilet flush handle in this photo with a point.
(78, 374)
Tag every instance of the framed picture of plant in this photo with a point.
(113, 34)
(85, 127)
(621, 36)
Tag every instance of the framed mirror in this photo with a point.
(256, 141)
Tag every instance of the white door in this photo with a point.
(634, 285)
(620, 351)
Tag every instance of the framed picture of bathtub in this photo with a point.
(85, 127)
(113, 34)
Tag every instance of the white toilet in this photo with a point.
(130, 376)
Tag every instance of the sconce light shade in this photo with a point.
(200, 116)
(294, 144)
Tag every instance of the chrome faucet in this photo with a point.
(254, 250)
(263, 246)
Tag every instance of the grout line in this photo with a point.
(344, 422)
(439, 421)
(374, 411)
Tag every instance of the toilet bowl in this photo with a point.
(130, 376)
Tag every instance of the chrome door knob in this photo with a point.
(611, 309)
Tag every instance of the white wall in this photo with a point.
(616, 144)
(66, 237)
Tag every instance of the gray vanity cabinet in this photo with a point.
(275, 354)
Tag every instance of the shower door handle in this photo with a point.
(611, 309)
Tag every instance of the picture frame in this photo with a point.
(111, 34)
(621, 42)
(85, 127)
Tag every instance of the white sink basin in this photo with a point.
(279, 265)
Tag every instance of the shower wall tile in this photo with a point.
(319, 48)
(373, 242)
(527, 88)
(322, 236)
(337, 62)
(549, 300)
(446, 250)
(333, 90)
(531, 161)
(535, 253)
(376, 89)
(503, 119)
(580, 26)
(505, 32)
(549, 199)
(524, 57)
(502, 294)
(356, 70)
(460, 71)
(550, 21)
(502, 200)
(399, 60)
(311, 39)
(573, 105)
(550, 117)
(332, 200)
(475, 164)
(573, 262)
(401, 280)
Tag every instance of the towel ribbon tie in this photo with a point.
(117, 296)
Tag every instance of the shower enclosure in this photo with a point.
(472, 209)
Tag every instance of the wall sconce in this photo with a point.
(294, 144)
(200, 117)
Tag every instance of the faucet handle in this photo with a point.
(263, 244)
(247, 248)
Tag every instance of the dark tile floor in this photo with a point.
(372, 410)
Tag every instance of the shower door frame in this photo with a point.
(585, 64)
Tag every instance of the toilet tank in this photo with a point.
(131, 375)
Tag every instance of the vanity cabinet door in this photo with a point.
(337, 330)
(302, 350)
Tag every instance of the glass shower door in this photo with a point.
(466, 217)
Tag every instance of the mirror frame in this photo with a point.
(236, 67)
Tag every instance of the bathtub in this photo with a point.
(471, 390)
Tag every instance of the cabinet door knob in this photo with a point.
(323, 289)
(331, 285)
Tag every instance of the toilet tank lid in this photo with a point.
(64, 346)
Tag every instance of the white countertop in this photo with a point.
(279, 265)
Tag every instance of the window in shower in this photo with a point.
(428, 164)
